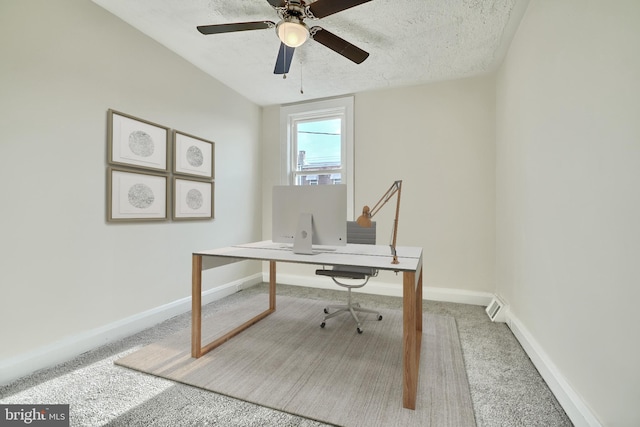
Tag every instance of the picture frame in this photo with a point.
(136, 195)
(193, 156)
(193, 199)
(134, 142)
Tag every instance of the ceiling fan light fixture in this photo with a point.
(292, 33)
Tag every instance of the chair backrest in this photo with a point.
(361, 235)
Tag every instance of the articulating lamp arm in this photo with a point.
(364, 220)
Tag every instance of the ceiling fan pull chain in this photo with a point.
(284, 63)
(301, 90)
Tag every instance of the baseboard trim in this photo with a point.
(64, 350)
(573, 405)
(389, 289)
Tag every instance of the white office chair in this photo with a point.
(361, 235)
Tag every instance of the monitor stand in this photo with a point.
(303, 241)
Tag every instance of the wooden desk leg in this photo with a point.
(411, 337)
(419, 313)
(197, 350)
(272, 285)
(196, 306)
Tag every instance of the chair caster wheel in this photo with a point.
(379, 316)
(359, 330)
(322, 325)
(326, 311)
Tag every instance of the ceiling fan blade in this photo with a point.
(322, 8)
(285, 56)
(338, 45)
(230, 28)
(276, 3)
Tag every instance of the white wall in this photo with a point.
(439, 139)
(65, 270)
(568, 198)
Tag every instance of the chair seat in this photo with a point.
(347, 272)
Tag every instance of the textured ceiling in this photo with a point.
(409, 41)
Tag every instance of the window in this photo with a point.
(318, 145)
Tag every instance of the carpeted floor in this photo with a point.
(506, 389)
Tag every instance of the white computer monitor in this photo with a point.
(309, 215)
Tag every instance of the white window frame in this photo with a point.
(289, 114)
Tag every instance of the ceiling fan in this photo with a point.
(293, 32)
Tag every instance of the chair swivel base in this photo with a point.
(352, 308)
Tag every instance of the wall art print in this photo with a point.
(136, 196)
(192, 199)
(193, 156)
(137, 143)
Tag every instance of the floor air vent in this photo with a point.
(496, 310)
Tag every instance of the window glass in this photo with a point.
(318, 151)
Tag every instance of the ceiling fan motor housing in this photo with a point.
(293, 8)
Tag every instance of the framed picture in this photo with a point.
(136, 196)
(193, 156)
(137, 143)
(192, 199)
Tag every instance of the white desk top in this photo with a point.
(374, 256)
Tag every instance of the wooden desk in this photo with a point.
(374, 256)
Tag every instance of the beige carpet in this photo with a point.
(334, 375)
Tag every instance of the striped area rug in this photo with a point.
(333, 375)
